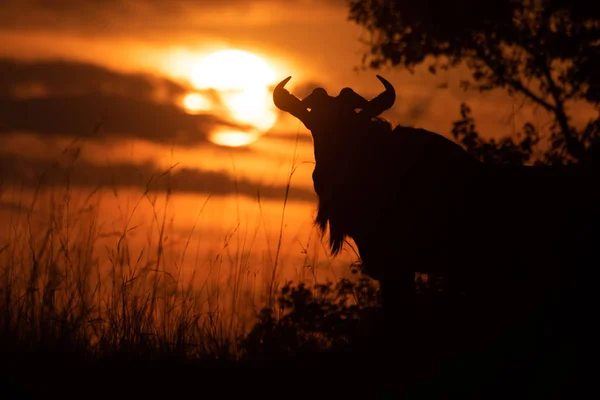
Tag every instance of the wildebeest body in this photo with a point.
(517, 244)
(422, 203)
(413, 200)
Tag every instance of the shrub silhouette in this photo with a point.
(305, 320)
(328, 317)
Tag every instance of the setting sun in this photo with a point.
(242, 81)
(232, 70)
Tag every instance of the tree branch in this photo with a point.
(574, 146)
(513, 83)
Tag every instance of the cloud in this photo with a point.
(53, 100)
(83, 174)
(59, 77)
(122, 118)
(70, 99)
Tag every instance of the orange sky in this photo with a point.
(309, 39)
(103, 44)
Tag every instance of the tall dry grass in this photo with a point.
(70, 283)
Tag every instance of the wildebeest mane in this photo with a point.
(334, 204)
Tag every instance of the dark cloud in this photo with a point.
(59, 77)
(121, 117)
(83, 174)
(70, 99)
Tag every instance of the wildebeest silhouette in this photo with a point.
(413, 200)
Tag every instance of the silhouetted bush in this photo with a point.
(325, 317)
(328, 317)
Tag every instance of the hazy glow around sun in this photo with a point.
(232, 70)
(243, 82)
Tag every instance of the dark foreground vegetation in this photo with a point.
(315, 342)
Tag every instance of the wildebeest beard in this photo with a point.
(340, 179)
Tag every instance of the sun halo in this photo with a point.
(242, 80)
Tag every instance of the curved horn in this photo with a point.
(282, 84)
(385, 100)
(282, 98)
(287, 102)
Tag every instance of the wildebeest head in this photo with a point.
(343, 133)
(338, 125)
(321, 112)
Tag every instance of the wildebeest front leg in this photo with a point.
(397, 289)
(398, 302)
(398, 338)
